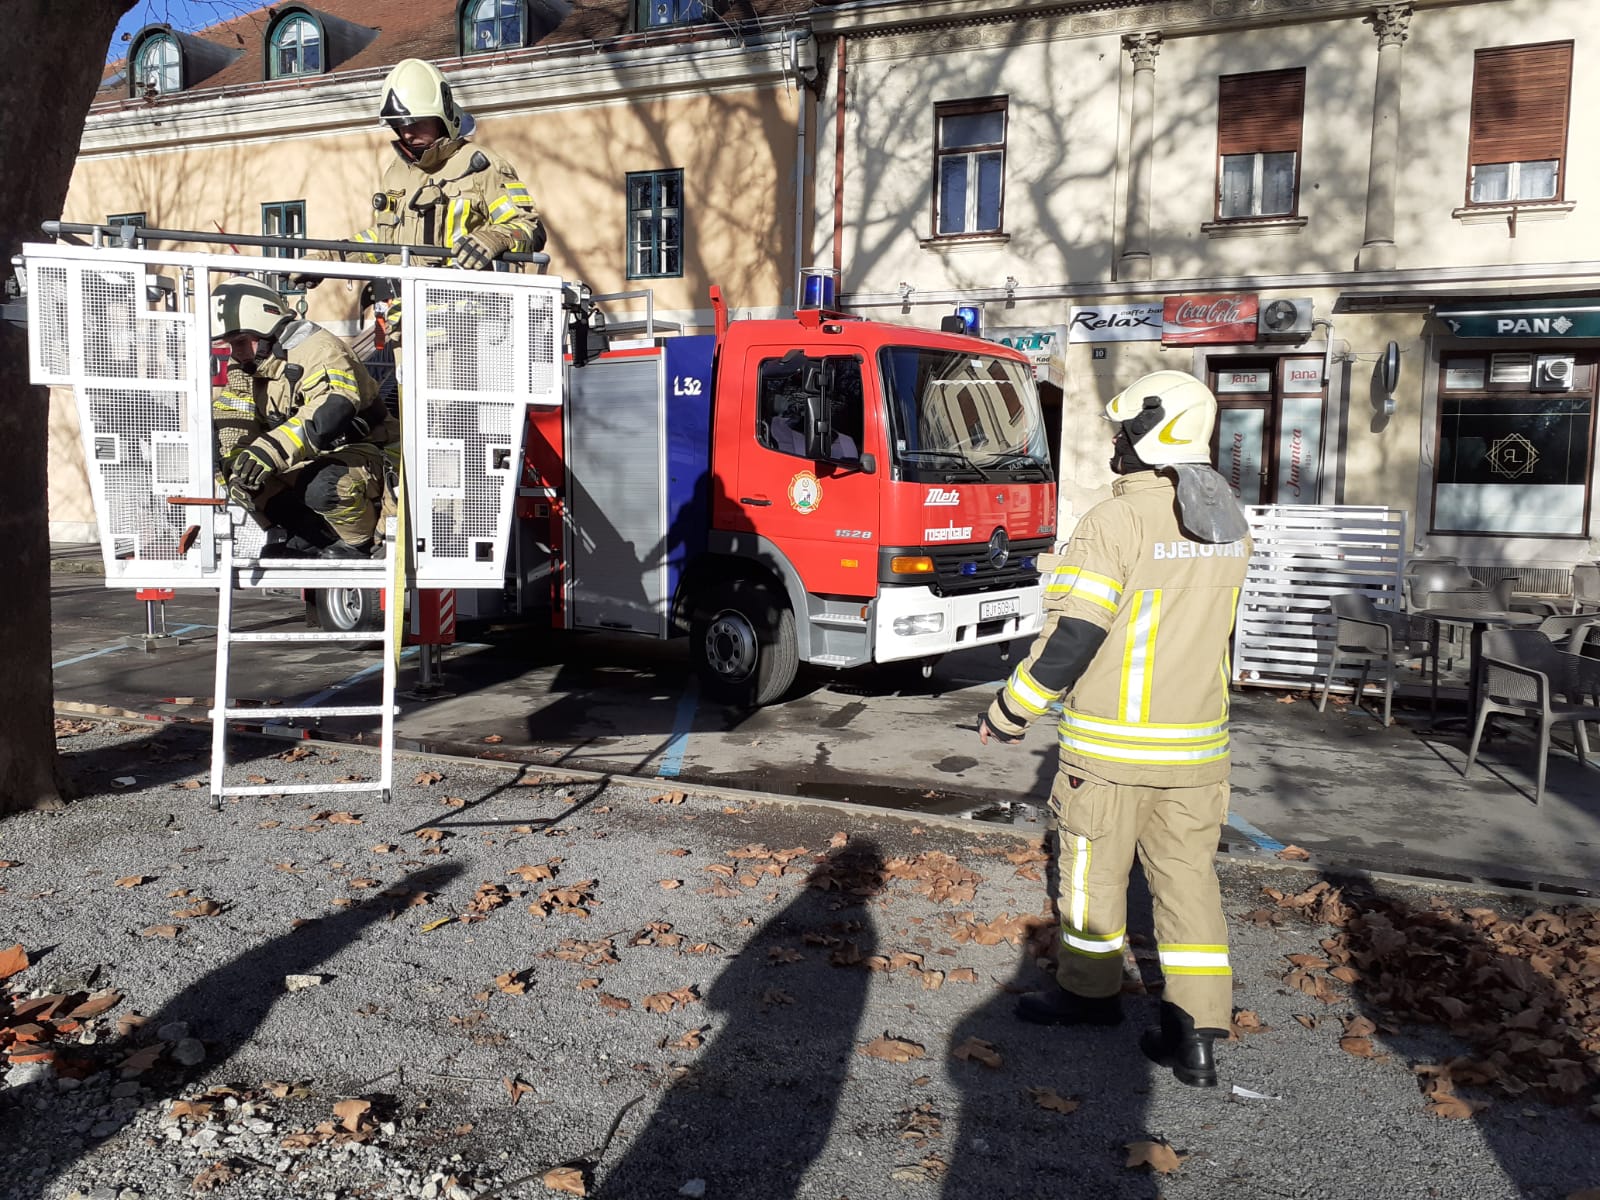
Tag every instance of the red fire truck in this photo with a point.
(821, 489)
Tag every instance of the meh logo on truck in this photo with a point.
(941, 496)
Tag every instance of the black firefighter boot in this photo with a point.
(1057, 1006)
(1178, 1045)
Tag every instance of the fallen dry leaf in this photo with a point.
(978, 1050)
(1294, 854)
(563, 1179)
(668, 885)
(13, 961)
(614, 1003)
(7, 863)
(517, 1088)
(453, 802)
(668, 798)
(133, 881)
(1359, 1046)
(196, 1110)
(1048, 1099)
(160, 931)
(512, 983)
(428, 778)
(530, 873)
(1453, 1107)
(495, 739)
(892, 1049)
(351, 1113)
(203, 908)
(1158, 1156)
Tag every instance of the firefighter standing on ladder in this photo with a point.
(301, 433)
(1135, 642)
(440, 189)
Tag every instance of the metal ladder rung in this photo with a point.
(300, 789)
(275, 566)
(317, 636)
(317, 710)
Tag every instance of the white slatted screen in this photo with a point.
(1304, 555)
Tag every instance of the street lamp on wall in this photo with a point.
(1390, 376)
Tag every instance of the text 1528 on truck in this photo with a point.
(821, 489)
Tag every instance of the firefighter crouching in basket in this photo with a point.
(1135, 645)
(301, 433)
(440, 189)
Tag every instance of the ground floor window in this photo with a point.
(1268, 440)
(1515, 443)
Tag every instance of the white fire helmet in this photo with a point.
(414, 91)
(245, 305)
(1167, 417)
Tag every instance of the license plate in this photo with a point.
(988, 610)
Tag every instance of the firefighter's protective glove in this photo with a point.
(304, 282)
(987, 731)
(478, 250)
(251, 467)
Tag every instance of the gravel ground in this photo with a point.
(741, 1039)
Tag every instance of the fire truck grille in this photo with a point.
(962, 569)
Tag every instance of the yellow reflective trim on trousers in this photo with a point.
(1166, 970)
(1191, 948)
(1078, 912)
(455, 221)
(1107, 727)
(1138, 652)
(1194, 960)
(1094, 945)
(1029, 696)
(1075, 581)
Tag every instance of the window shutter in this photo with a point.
(1520, 97)
(1260, 113)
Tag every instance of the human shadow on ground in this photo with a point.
(223, 1008)
(758, 1106)
(1008, 1144)
(1496, 1008)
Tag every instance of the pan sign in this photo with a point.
(1208, 320)
(1576, 317)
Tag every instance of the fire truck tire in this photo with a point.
(744, 644)
(349, 610)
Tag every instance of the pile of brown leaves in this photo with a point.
(1523, 994)
(44, 1029)
(937, 876)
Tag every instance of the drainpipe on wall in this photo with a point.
(838, 171)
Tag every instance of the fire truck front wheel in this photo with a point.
(744, 644)
(346, 610)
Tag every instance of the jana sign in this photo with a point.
(1208, 320)
(1136, 322)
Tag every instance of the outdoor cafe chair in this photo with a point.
(1525, 675)
(1367, 635)
(1570, 633)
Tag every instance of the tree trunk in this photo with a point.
(54, 66)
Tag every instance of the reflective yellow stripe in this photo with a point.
(1109, 728)
(517, 192)
(1028, 695)
(1078, 912)
(1194, 960)
(1197, 970)
(1075, 581)
(233, 402)
(1093, 945)
(1138, 653)
(501, 209)
(1149, 755)
(291, 430)
(455, 222)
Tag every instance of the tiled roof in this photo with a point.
(427, 29)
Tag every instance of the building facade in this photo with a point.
(1363, 224)
(663, 142)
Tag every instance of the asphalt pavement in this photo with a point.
(1338, 784)
(470, 985)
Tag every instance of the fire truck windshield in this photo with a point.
(973, 410)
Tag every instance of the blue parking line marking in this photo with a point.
(351, 681)
(682, 725)
(67, 662)
(1269, 844)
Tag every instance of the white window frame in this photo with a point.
(971, 155)
(1258, 179)
(1513, 182)
(172, 61)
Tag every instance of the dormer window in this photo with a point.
(493, 25)
(159, 68)
(658, 14)
(295, 48)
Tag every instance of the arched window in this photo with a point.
(159, 67)
(295, 48)
(493, 25)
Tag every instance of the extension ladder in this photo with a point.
(237, 573)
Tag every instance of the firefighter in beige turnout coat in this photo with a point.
(302, 436)
(1135, 646)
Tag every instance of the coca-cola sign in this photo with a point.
(1208, 320)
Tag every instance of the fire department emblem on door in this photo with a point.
(805, 493)
(1512, 456)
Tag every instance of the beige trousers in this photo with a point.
(1174, 831)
